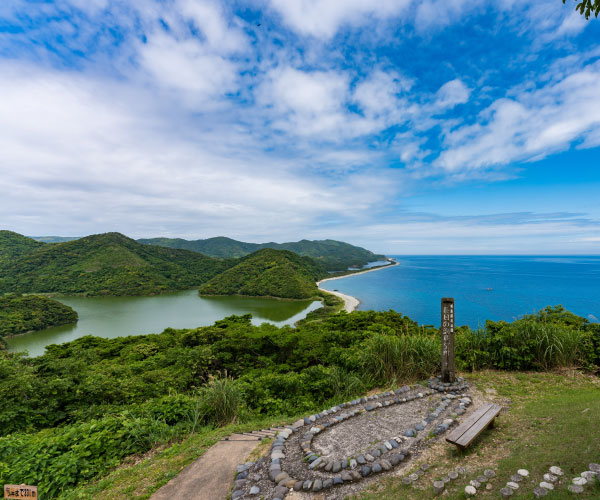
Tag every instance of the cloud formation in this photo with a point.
(286, 119)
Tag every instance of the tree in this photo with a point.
(587, 7)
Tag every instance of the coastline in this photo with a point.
(350, 302)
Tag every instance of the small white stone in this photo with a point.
(523, 472)
(579, 481)
(546, 486)
(513, 485)
(469, 490)
(551, 478)
(557, 471)
(588, 475)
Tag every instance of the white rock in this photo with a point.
(557, 471)
(546, 486)
(523, 472)
(513, 485)
(579, 481)
(588, 475)
(551, 478)
(469, 490)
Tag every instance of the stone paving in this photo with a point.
(294, 463)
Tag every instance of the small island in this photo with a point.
(27, 313)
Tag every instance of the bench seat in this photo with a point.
(474, 425)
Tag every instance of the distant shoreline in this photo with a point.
(350, 302)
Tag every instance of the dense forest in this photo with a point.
(74, 413)
(20, 314)
(332, 255)
(275, 273)
(103, 264)
(14, 245)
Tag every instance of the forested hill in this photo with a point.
(268, 272)
(13, 245)
(20, 314)
(105, 264)
(333, 255)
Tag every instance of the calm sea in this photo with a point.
(488, 287)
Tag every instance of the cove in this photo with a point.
(112, 317)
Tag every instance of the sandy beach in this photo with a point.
(350, 302)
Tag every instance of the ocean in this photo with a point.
(483, 287)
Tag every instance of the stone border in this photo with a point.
(372, 462)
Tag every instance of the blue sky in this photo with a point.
(432, 126)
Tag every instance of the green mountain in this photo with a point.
(268, 272)
(20, 314)
(333, 255)
(107, 264)
(14, 245)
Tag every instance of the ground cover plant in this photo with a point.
(124, 396)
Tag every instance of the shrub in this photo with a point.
(57, 459)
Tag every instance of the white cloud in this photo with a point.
(82, 155)
(532, 125)
(188, 66)
(323, 18)
(379, 93)
(208, 16)
(439, 13)
(572, 24)
(452, 93)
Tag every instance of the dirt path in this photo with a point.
(210, 477)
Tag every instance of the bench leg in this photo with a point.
(491, 424)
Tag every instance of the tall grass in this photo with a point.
(393, 358)
(221, 401)
(525, 344)
(552, 345)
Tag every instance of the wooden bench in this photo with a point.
(481, 419)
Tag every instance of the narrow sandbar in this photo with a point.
(350, 302)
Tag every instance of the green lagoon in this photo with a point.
(112, 317)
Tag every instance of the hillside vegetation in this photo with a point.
(14, 245)
(103, 264)
(332, 255)
(76, 412)
(20, 314)
(275, 273)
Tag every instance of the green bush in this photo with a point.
(58, 459)
(530, 343)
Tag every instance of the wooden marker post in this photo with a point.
(447, 340)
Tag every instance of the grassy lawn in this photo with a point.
(553, 419)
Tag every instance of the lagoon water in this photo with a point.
(484, 287)
(112, 317)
